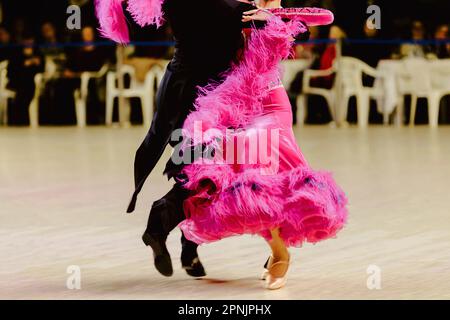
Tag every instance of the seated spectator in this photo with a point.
(370, 52)
(18, 30)
(85, 58)
(307, 50)
(153, 34)
(5, 44)
(22, 68)
(317, 108)
(50, 47)
(442, 50)
(417, 34)
(328, 56)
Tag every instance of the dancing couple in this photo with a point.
(224, 82)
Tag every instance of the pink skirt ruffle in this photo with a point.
(306, 205)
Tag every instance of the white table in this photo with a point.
(389, 71)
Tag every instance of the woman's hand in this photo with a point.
(256, 15)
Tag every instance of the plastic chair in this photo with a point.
(5, 94)
(328, 94)
(349, 79)
(144, 91)
(290, 69)
(440, 77)
(416, 80)
(33, 110)
(81, 94)
(40, 81)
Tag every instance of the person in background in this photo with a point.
(50, 47)
(5, 44)
(22, 68)
(307, 51)
(441, 50)
(370, 52)
(49, 39)
(18, 30)
(86, 57)
(417, 34)
(153, 34)
(330, 53)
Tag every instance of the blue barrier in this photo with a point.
(172, 43)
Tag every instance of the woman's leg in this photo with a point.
(279, 250)
(278, 264)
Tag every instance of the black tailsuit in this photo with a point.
(207, 35)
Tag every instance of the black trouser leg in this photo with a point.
(189, 249)
(167, 213)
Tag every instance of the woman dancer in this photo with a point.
(234, 189)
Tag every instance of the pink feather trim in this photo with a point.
(113, 24)
(306, 205)
(146, 12)
(238, 100)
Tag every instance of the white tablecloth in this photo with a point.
(389, 70)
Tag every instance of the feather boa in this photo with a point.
(113, 24)
(238, 100)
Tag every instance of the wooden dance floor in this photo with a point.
(63, 193)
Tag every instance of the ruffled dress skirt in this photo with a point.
(262, 190)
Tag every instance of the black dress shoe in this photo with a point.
(193, 267)
(161, 255)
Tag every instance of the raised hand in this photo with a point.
(256, 15)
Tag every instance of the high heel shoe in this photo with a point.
(273, 281)
(266, 268)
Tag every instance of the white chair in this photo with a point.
(440, 77)
(33, 110)
(5, 94)
(81, 94)
(290, 69)
(416, 80)
(328, 94)
(349, 82)
(40, 81)
(144, 91)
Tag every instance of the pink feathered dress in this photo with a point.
(253, 197)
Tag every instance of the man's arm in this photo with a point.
(237, 8)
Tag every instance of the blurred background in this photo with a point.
(347, 73)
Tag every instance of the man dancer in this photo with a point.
(207, 35)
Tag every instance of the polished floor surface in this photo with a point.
(63, 193)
